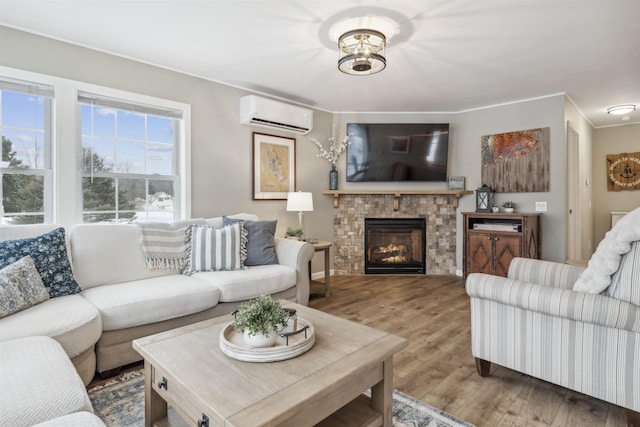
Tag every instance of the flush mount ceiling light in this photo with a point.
(362, 52)
(621, 109)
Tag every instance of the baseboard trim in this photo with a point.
(320, 274)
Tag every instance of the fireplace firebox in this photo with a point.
(395, 246)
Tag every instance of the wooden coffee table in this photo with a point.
(186, 368)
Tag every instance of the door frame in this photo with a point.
(573, 212)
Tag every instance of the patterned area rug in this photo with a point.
(120, 403)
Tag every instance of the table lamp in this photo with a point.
(300, 201)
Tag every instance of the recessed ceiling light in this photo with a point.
(621, 109)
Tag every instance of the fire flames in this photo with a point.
(391, 253)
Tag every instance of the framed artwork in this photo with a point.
(399, 144)
(516, 162)
(456, 183)
(623, 171)
(274, 166)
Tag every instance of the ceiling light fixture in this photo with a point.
(362, 52)
(621, 109)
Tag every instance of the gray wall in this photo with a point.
(539, 113)
(464, 159)
(222, 151)
(612, 140)
(221, 148)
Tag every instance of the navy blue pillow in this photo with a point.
(261, 247)
(49, 252)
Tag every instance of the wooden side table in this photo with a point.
(323, 246)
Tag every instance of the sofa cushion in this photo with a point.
(39, 382)
(215, 249)
(13, 232)
(140, 302)
(49, 252)
(606, 259)
(251, 282)
(165, 244)
(261, 247)
(83, 418)
(624, 282)
(71, 320)
(20, 287)
(109, 253)
(217, 221)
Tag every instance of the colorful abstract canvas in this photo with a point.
(516, 162)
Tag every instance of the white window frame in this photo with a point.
(48, 92)
(66, 147)
(103, 101)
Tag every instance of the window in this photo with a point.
(26, 175)
(75, 152)
(129, 161)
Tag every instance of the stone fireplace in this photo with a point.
(351, 210)
(394, 245)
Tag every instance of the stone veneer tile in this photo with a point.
(348, 220)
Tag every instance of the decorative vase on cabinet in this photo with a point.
(333, 178)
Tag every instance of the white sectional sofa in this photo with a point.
(40, 386)
(122, 300)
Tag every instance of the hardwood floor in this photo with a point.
(437, 367)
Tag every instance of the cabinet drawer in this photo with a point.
(180, 398)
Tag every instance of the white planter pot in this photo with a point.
(260, 340)
(508, 210)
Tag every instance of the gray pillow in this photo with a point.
(261, 246)
(21, 287)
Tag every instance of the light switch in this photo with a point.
(541, 206)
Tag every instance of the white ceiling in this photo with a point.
(447, 55)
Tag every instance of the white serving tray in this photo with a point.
(232, 344)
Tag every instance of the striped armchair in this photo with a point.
(533, 322)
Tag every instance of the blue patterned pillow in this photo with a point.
(49, 252)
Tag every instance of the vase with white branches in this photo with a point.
(331, 155)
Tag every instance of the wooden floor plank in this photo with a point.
(539, 411)
(437, 367)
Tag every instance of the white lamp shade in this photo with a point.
(300, 201)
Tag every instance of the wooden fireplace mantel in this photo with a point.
(397, 194)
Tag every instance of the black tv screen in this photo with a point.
(397, 152)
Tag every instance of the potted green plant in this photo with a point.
(509, 206)
(259, 320)
(294, 233)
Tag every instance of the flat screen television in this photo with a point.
(397, 152)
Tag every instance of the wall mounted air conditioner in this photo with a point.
(258, 111)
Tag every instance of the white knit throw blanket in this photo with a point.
(165, 245)
(606, 259)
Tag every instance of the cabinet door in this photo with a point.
(506, 248)
(480, 253)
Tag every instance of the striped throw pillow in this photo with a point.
(214, 249)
